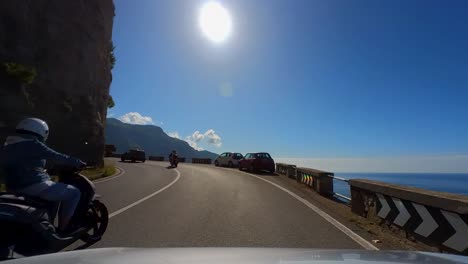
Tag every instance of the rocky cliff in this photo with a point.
(55, 64)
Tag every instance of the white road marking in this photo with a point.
(121, 172)
(428, 224)
(383, 212)
(358, 239)
(459, 240)
(403, 216)
(145, 198)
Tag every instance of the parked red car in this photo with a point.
(261, 161)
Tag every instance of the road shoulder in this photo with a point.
(389, 238)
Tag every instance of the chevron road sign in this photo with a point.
(446, 228)
(307, 179)
(428, 225)
(459, 240)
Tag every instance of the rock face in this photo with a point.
(68, 44)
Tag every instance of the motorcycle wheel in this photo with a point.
(99, 215)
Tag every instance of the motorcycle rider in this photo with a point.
(172, 156)
(23, 161)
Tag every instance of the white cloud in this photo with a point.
(194, 139)
(136, 118)
(193, 144)
(174, 134)
(212, 138)
(209, 137)
(196, 136)
(441, 164)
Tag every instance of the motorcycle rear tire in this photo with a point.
(101, 217)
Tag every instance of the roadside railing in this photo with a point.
(156, 158)
(338, 195)
(201, 161)
(317, 180)
(434, 218)
(286, 169)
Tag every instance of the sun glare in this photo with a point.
(215, 22)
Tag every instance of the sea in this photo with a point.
(444, 182)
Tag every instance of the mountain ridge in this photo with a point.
(150, 138)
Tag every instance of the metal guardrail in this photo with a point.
(338, 178)
(348, 199)
(344, 197)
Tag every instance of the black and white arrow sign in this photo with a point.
(403, 216)
(447, 228)
(459, 241)
(428, 225)
(383, 212)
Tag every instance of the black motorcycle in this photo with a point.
(27, 223)
(174, 160)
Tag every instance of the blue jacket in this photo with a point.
(23, 161)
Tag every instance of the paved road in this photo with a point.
(209, 206)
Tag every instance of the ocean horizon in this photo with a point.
(443, 182)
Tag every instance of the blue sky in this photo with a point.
(305, 78)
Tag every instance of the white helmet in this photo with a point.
(34, 126)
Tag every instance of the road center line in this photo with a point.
(358, 239)
(145, 198)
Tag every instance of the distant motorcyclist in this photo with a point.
(172, 154)
(23, 161)
(173, 158)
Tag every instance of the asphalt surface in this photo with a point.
(205, 206)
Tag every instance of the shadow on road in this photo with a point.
(262, 173)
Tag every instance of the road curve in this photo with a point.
(205, 206)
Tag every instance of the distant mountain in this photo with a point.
(150, 138)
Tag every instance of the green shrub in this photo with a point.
(109, 170)
(112, 55)
(24, 74)
(110, 102)
(99, 172)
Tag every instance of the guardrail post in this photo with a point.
(319, 181)
(286, 169)
(325, 185)
(291, 171)
(299, 175)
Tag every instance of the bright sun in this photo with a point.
(215, 21)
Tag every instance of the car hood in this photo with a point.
(237, 255)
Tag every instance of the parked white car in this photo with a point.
(229, 159)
